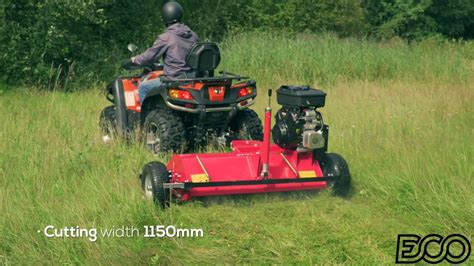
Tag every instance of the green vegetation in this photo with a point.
(80, 42)
(325, 59)
(400, 114)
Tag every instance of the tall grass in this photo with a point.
(407, 136)
(273, 58)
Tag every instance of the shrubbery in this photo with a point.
(44, 42)
(418, 19)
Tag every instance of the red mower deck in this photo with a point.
(239, 172)
(292, 164)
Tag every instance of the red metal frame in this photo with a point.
(245, 163)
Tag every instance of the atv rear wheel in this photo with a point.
(335, 166)
(163, 131)
(107, 123)
(247, 125)
(153, 176)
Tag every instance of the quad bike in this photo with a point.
(184, 112)
(297, 161)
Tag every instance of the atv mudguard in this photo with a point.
(116, 95)
(125, 119)
(153, 99)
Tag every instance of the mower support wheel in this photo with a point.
(335, 166)
(163, 131)
(247, 125)
(153, 176)
(107, 123)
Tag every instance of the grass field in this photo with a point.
(402, 115)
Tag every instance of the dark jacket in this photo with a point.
(173, 45)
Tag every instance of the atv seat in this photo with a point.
(203, 59)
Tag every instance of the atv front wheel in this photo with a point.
(335, 166)
(247, 125)
(163, 131)
(107, 123)
(153, 176)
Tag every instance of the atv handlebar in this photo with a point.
(129, 65)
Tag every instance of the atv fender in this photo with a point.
(116, 89)
(153, 100)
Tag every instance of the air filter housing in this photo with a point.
(300, 96)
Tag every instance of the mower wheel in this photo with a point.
(335, 166)
(107, 123)
(153, 176)
(163, 131)
(247, 125)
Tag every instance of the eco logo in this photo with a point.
(432, 248)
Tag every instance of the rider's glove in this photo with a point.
(128, 64)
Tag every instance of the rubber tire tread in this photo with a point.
(249, 118)
(107, 120)
(159, 175)
(172, 129)
(334, 165)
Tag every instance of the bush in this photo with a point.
(47, 41)
(344, 17)
(418, 19)
(455, 18)
(41, 37)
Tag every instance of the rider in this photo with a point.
(172, 46)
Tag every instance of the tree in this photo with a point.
(455, 18)
(404, 18)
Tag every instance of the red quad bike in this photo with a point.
(185, 112)
(297, 161)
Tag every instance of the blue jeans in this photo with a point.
(146, 85)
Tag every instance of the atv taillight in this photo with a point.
(245, 91)
(180, 94)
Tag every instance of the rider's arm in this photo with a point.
(153, 53)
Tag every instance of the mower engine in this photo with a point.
(299, 126)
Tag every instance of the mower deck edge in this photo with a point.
(190, 185)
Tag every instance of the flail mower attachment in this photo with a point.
(297, 161)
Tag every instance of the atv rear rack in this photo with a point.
(203, 79)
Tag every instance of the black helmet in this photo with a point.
(172, 12)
